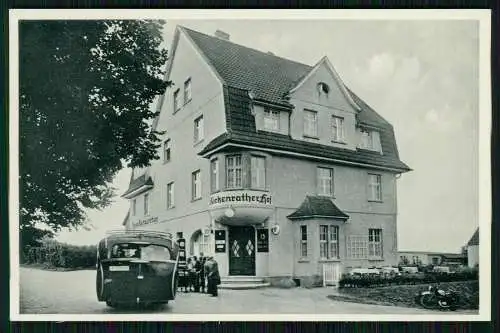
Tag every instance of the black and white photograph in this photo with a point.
(250, 165)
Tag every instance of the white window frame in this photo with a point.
(310, 123)
(187, 91)
(170, 195)
(146, 204)
(214, 175)
(167, 151)
(196, 185)
(329, 241)
(271, 120)
(374, 187)
(134, 207)
(322, 181)
(375, 246)
(303, 241)
(177, 100)
(232, 169)
(258, 172)
(338, 129)
(357, 247)
(198, 129)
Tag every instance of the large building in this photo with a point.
(272, 166)
(473, 250)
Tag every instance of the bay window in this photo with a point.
(233, 171)
(214, 175)
(303, 241)
(328, 241)
(258, 172)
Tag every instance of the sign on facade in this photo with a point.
(263, 240)
(220, 241)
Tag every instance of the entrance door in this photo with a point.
(242, 250)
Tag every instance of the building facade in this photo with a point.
(272, 166)
(473, 250)
(423, 258)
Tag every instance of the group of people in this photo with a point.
(200, 275)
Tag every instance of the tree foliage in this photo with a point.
(85, 93)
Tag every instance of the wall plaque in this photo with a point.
(263, 240)
(220, 241)
(182, 255)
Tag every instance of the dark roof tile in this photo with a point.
(318, 206)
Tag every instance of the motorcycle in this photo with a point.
(436, 298)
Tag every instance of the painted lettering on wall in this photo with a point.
(151, 220)
(241, 198)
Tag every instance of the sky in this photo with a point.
(421, 76)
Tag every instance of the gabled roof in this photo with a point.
(318, 207)
(140, 182)
(474, 240)
(269, 77)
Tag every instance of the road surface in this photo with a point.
(50, 292)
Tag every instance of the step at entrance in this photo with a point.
(242, 282)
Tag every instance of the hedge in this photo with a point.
(375, 280)
(58, 255)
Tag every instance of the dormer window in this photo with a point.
(271, 120)
(323, 88)
(370, 139)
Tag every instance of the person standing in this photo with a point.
(196, 272)
(189, 272)
(201, 275)
(213, 277)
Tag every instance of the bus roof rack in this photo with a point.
(149, 233)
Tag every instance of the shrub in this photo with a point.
(378, 280)
(53, 254)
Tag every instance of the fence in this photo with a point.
(332, 274)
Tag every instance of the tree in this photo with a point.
(84, 108)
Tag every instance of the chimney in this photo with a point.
(221, 34)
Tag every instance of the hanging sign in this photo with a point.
(263, 240)
(220, 241)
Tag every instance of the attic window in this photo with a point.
(323, 88)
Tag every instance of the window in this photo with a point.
(375, 243)
(214, 175)
(187, 91)
(370, 140)
(134, 207)
(310, 123)
(166, 151)
(303, 241)
(338, 129)
(325, 181)
(146, 204)
(177, 102)
(328, 241)
(435, 261)
(198, 129)
(258, 170)
(375, 187)
(357, 247)
(271, 120)
(170, 195)
(233, 171)
(196, 187)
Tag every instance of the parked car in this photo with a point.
(136, 267)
